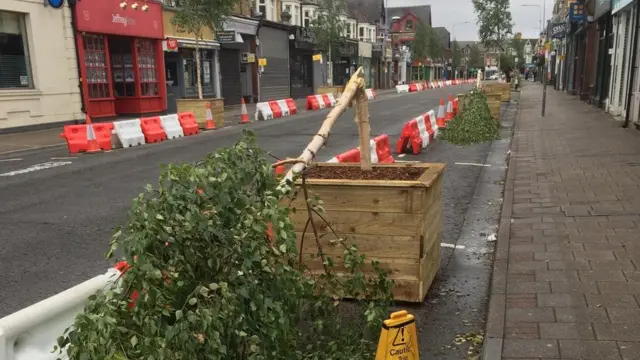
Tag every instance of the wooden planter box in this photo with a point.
(503, 88)
(199, 109)
(493, 100)
(397, 223)
(335, 90)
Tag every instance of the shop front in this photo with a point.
(605, 41)
(302, 64)
(344, 61)
(623, 12)
(274, 48)
(121, 58)
(181, 64)
(364, 60)
(238, 60)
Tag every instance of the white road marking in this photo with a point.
(407, 161)
(474, 164)
(63, 158)
(451, 246)
(14, 159)
(37, 167)
(402, 155)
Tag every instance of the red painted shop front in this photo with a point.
(121, 57)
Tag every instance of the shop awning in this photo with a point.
(203, 44)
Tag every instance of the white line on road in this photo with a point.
(7, 160)
(63, 158)
(32, 168)
(451, 246)
(402, 155)
(474, 164)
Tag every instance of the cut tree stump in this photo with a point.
(396, 222)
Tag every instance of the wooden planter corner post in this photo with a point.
(397, 223)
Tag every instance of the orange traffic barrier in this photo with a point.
(244, 115)
(383, 149)
(188, 123)
(152, 129)
(210, 125)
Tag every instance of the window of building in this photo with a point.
(408, 25)
(172, 3)
(348, 31)
(296, 15)
(287, 8)
(96, 67)
(15, 68)
(147, 67)
(122, 70)
(262, 7)
(190, 74)
(361, 32)
(307, 20)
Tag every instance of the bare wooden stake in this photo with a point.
(355, 83)
(364, 128)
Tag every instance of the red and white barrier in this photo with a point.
(323, 101)
(371, 94)
(418, 133)
(402, 88)
(274, 109)
(31, 333)
(380, 152)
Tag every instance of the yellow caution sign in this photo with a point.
(398, 338)
(262, 62)
(317, 57)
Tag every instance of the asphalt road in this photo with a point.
(57, 211)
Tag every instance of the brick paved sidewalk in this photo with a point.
(566, 283)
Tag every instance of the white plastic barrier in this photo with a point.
(332, 99)
(402, 89)
(171, 126)
(31, 333)
(422, 128)
(129, 132)
(263, 111)
(434, 124)
(372, 151)
(284, 107)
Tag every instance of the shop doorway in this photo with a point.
(173, 84)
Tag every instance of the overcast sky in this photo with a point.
(448, 12)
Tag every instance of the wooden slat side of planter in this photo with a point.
(398, 223)
(493, 100)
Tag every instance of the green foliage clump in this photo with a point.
(213, 285)
(474, 123)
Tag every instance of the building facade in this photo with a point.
(39, 81)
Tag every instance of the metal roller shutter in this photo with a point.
(230, 76)
(274, 81)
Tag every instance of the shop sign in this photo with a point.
(617, 5)
(241, 26)
(56, 4)
(577, 12)
(171, 45)
(247, 58)
(558, 30)
(108, 17)
(226, 36)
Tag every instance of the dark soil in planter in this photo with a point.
(355, 173)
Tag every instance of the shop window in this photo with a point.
(15, 68)
(147, 67)
(122, 69)
(206, 72)
(95, 63)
